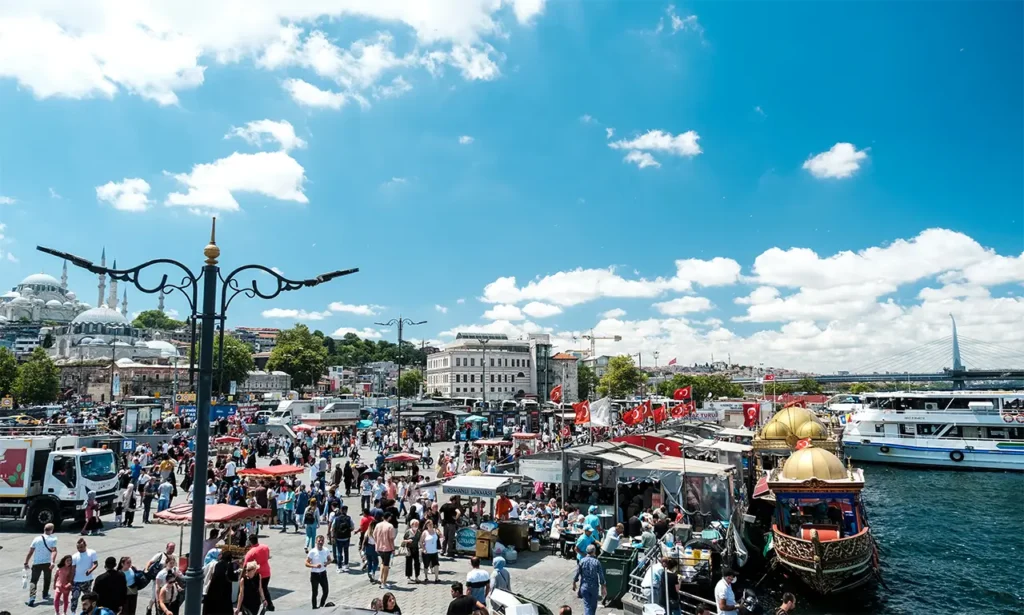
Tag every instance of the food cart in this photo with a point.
(275, 473)
(220, 516)
(398, 463)
(526, 443)
(491, 449)
(486, 486)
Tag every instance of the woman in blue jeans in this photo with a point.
(312, 521)
(370, 551)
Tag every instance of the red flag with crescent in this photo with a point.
(660, 414)
(681, 410)
(683, 393)
(750, 415)
(635, 416)
(556, 394)
(582, 412)
(801, 444)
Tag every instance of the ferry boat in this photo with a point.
(981, 430)
(819, 531)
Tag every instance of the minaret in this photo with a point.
(124, 304)
(103, 280)
(160, 303)
(112, 299)
(64, 277)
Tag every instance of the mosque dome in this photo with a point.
(11, 295)
(166, 349)
(53, 303)
(20, 301)
(98, 342)
(813, 430)
(84, 341)
(813, 462)
(101, 315)
(71, 295)
(41, 278)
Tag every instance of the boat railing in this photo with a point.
(688, 602)
(826, 553)
(903, 436)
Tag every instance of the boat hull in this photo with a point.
(828, 567)
(935, 457)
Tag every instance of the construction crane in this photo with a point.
(593, 338)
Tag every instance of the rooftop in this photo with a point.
(481, 336)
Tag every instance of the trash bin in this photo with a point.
(617, 567)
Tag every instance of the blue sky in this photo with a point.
(834, 178)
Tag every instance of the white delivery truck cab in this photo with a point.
(289, 410)
(47, 479)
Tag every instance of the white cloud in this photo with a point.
(641, 159)
(394, 183)
(54, 195)
(256, 132)
(504, 312)
(460, 301)
(586, 118)
(308, 95)
(365, 333)
(396, 88)
(474, 63)
(441, 308)
(527, 10)
(609, 133)
(536, 309)
(128, 195)
(361, 310)
(840, 162)
(465, 140)
(6, 200)
(614, 313)
(213, 185)
(688, 23)
(294, 314)
(683, 305)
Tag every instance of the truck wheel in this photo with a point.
(43, 513)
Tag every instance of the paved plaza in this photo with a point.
(539, 576)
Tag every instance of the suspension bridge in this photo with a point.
(953, 358)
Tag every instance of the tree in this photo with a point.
(237, 363)
(586, 381)
(809, 386)
(8, 371)
(622, 378)
(38, 380)
(300, 354)
(155, 319)
(715, 385)
(409, 383)
(859, 388)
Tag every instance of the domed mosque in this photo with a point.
(41, 298)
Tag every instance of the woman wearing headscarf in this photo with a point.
(219, 572)
(500, 577)
(93, 525)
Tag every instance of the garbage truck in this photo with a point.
(47, 478)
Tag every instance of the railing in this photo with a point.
(56, 429)
(688, 602)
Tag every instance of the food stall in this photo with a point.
(476, 424)
(487, 486)
(526, 443)
(275, 473)
(220, 516)
(492, 449)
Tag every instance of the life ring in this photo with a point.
(956, 456)
(1020, 417)
(1008, 418)
(884, 449)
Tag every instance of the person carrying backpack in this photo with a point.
(341, 536)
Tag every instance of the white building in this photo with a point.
(41, 298)
(266, 382)
(482, 364)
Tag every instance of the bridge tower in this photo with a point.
(958, 366)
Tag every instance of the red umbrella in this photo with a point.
(401, 457)
(525, 436)
(275, 471)
(303, 427)
(227, 440)
(181, 514)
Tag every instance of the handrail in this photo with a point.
(636, 578)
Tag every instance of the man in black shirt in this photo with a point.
(661, 526)
(635, 527)
(461, 604)
(111, 587)
(449, 517)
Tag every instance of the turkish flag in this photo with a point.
(672, 362)
(681, 410)
(683, 393)
(750, 415)
(660, 414)
(636, 415)
(769, 377)
(556, 394)
(582, 412)
(801, 444)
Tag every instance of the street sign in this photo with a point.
(127, 445)
(233, 389)
(7, 402)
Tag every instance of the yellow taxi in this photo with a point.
(24, 419)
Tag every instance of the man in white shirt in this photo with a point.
(229, 470)
(211, 492)
(317, 561)
(43, 556)
(725, 599)
(84, 563)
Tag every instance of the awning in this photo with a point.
(227, 440)
(181, 514)
(525, 436)
(303, 427)
(676, 465)
(732, 447)
(494, 442)
(761, 488)
(485, 486)
(401, 458)
(736, 431)
(272, 471)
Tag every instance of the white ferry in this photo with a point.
(951, 429)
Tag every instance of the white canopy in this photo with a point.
(485, 486)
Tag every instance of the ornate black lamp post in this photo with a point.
(230, 288)
(400, 322)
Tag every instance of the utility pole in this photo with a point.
(483, 375)
(400, 322)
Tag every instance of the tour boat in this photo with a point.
(820, 532)
(981, 430)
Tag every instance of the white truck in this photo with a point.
(289, 410)
(46, 479)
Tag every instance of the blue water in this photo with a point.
(951, 543)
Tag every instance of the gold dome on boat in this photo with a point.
(775, 431)
(813, 430)
(794, 417)
(813, 462)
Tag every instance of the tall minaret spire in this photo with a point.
(124, 304)
(160, 303)
(64, 277)
(103, 280)
(112, 299)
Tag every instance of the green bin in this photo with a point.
(617, 568)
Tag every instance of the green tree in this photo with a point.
(621, 379)
(38, 380)
(8, 371)
(300, 354)
(702, 387)
(586, 381)
(859, 388)
(155, 319)
(409, 383)
(237, 363)
(809, 386)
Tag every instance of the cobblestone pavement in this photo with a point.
(539, 576)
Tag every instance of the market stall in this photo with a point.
(481, 540)
(275, 473)
(526, 443)
(703, 489)
(233, 520)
